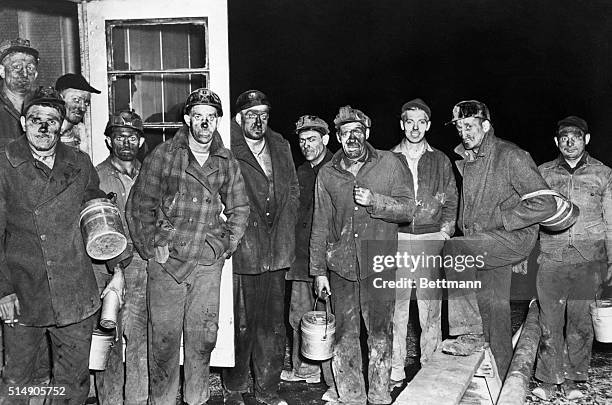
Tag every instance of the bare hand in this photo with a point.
(363, 196)
(117, 284)
(162, 253)
(9, 309)
(520, 268)
(321, 285)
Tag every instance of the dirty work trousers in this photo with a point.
(190, 307)
(484, 309)
(132, 325)
(259, 335)
(70, 356)
(302, 301)
(429, 300)
(565, 292)
(352, 300)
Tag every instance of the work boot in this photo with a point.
(572, 390)
(330, 395)
(545, 391)
(395, 384)
(464, 345)
(293, 376)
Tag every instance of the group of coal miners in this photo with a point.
(194, 202)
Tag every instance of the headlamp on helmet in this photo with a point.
(313, 122)
(470, 108)
(348, 114)
(124, 119)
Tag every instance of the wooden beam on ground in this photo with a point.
(442, 381)
(516, 384)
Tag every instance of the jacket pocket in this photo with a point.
(596, 228)
(219, 242)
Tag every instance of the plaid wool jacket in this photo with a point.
(176, 202)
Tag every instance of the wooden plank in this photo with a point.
(477, 393)
(442, 381)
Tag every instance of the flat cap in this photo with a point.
(74, 81)
(16, 45)
(573, 121)
(251, 98)
(417, 103)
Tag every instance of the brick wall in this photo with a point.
(52, 27)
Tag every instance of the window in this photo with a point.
(152, 66)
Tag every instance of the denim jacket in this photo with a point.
(589, 187)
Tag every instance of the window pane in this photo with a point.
(144, 47)
(137, 47)
(119, 38)
(156, 97)
(123, 88)
(197, 46)
(183, 46)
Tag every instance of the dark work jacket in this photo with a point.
(436, 194)
(10, 127)
(307, 175)
(344, 234)
(43, 260)
(267, 246)
(493, 184)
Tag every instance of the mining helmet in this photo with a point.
(470, 108)
(348, 114)
(46, 96)
(203, 96)
(9, 46)
(313, 122)
(124, 119)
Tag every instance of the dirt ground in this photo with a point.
(598, 389)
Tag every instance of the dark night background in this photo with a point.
(531, 62)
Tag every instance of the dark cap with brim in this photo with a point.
(74, 81)
(251, 98)
(9, 46)
(573, 121)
